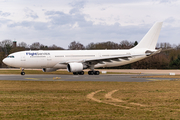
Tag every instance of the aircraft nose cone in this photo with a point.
(6, 61)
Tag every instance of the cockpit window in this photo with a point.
(10, 56)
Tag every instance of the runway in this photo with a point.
(117, 78)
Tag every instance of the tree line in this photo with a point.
(169, 58)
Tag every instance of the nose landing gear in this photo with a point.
(22, 71)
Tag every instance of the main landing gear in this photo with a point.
(78, 73)
(89, 73)
(22, 71)
(93, 72)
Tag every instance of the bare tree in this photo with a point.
(165, 45)
(177, 46)
(35, 46)
(157, 46)
(103, 45)
(76, 46)
(91, 46)
(125, 44)
(6, 46)
(23, 44)
(54, 47)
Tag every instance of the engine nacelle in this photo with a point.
(49, 69)
(75, 67)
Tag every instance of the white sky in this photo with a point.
(60, 22)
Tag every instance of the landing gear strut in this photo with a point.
(22, 71)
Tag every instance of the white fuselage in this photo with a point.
(56, 58)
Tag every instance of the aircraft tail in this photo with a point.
(149, 41)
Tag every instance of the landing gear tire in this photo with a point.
(96, 72)
(75, 73)
(90, 73)
(81, 73)
(78, 73)
(22, 73)
(93, 72)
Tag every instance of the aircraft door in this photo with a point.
(49, 60)
(23, 60)
(99, 54)
(23, 57)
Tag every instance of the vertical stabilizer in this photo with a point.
(149, 41)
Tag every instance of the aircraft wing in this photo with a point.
(103, 59)
(109, 59)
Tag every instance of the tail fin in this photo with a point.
(149, 41)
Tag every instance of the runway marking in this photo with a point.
(56, 78)
(32, 78)
(158, 79)
(91, 96)
(109, 96)
(46, 79)
(75, 76)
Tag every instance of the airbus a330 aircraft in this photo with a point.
(77, 60)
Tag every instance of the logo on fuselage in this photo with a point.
(36, 54)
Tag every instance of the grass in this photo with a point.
(68, 100)
(62, 72)
(33, 72)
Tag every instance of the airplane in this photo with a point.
(76, 61)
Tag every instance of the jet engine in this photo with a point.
(75, 67)
(49, 69)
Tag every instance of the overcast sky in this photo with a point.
(60, 22)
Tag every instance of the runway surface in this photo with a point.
(119, 78)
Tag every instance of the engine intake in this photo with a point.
(75, 67)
